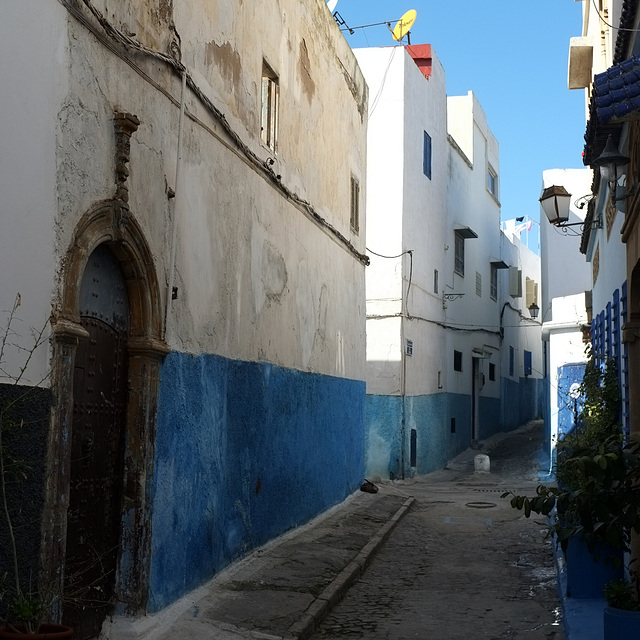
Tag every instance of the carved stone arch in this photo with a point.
(108, 222)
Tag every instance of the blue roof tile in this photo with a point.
(616, 89)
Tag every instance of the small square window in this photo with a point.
(426, 157)
(457, 360)
(492, 372)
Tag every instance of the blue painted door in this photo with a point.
(569, 402)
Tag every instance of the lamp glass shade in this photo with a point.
(612, 172)
(555, 201)
(611, 162)
(534, 310)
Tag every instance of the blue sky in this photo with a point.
(513, 56)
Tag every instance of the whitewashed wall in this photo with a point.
(34, 36)
(564, 269)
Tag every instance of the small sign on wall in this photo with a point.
(409, 347)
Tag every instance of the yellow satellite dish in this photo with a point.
(404, 24)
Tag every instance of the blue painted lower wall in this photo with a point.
(441, 424)
(437, 440)
(244, 452)
(521, 401)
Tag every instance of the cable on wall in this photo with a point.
(173, 61)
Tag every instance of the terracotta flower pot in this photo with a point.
(46, 632)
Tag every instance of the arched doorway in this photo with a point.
(97, 446)
(107, 237)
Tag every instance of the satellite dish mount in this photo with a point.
(403, 26)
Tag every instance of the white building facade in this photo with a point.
(439, 311)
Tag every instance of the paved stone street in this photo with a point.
(462, 563)
(440, 557)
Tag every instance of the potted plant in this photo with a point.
(596, 503)
(24, 610)
(622, 614)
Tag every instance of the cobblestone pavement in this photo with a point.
(462, 563)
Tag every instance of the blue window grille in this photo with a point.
(624, 365)
(607, 332)
(615, 327)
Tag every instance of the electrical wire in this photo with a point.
(374, 103)
(390, 257)
(595, 6)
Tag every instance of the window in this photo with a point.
(270, 98)
(478, 283)
(492, 182)
(531, 292)
(492, 371)
(512, 359)
(494, 282)
(426, 158)
(459, 259)
(515, 282)
(457, 360)
(435, 281)
(355, 205)
(527, 363)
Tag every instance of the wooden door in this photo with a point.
(97, 447)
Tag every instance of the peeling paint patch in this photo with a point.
(227, 59)
(304, 66)
(274, 272)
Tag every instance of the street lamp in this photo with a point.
(534, 310)
(611, 162)
(555, 202)
(612, 167)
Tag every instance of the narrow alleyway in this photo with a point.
(462, 563)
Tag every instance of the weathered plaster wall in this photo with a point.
(244, 260)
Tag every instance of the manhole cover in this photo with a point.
(481, 505)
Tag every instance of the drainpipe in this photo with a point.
(176, 208)
(403, 374)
